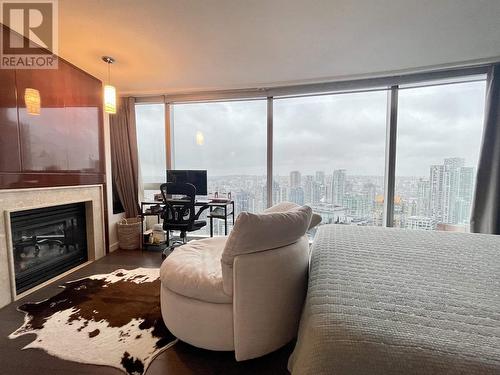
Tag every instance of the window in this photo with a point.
(150, 124)
(329, 152)
(229, 140)
(438, 144)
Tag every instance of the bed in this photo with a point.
(394, 301)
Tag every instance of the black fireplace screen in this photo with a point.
(47, 242)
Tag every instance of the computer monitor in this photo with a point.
(197, 178)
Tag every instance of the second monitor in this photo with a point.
(196, 177)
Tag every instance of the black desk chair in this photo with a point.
(179, 214)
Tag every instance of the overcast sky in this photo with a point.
(319, 133)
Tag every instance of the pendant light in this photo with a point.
(32, 101)
(109, 91)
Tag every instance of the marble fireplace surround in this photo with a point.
(12, 200)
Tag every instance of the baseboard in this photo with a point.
(114, 246)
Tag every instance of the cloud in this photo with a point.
(320, 133)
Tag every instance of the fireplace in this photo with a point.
(47, 242)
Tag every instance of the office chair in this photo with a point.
(179, 214)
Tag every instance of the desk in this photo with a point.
(217, 210)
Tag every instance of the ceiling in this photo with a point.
(167, 46)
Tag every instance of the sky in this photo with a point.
(344, 131)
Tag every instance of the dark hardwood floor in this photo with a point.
(180, 359)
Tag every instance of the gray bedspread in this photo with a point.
(393, 301)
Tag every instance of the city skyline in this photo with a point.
(358, 200)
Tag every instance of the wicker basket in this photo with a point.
(129, 233)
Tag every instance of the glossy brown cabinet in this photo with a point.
(63, 145)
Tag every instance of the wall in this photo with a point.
(62, 146)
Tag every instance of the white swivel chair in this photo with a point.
(243, 292)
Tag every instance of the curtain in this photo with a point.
(124, 155)
(486, 204)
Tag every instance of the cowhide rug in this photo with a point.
(110, 319)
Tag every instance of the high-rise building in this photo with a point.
(422, 208)
(357, 205)
(284, 196)
(465, 195)
(317, 192)
(466, 186)
(308, 189)
(450, 194)
(328, 189)
(244, 201)
(436, 177)
(297, 195)
(295, 179)
(338, 186)
(370, 192)
(451, 180)
(320, 177)
(454, 162)
(262, 205)
(276, 192)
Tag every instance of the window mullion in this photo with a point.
(390, 155)
(269, 176)
(168, 136)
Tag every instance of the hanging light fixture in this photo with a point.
(32, 101)
(109, 91)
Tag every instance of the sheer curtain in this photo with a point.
(486, 206)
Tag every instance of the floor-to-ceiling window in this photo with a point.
(329, 153)
(438, 143)
(150, 129)
(228, 139)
